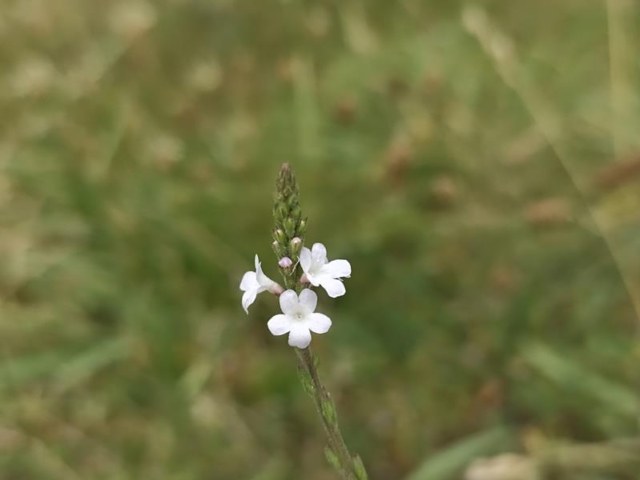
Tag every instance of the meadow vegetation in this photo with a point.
(476, 162)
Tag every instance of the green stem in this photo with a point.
(351, 468)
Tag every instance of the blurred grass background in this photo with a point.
(474, 161)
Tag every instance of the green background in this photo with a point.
(473, 161)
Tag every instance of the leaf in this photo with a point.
(87, 363)
(572, 376)
(452, 460)
(66, 370)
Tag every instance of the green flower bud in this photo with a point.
(296, 246)
(290, 227)
(279, 236)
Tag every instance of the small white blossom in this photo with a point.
(298, 318)
(254, 283)
(320, 272)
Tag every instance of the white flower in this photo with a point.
(254, 283)
(299, 319)
(319, 271)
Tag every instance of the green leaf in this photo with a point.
(329, 411)
(450, 461)
(361, 472)
(332, 458)
(577, 379)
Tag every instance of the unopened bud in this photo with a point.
(276, 247)
(279, 236)
(290, 227)
(285, 262)
(276, 289)
(303, 227)
(296, 246)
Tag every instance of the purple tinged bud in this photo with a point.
(285, 262)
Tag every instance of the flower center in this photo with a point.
(298, 316)
(315, 268)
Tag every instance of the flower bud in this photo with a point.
(279, 236)
(285, 262)
(296, 246)
(303, 227)
(290, 227)
(276, 247)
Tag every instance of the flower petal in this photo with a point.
(279, 324)
(261, 278)
(248, 298)
(308, 301)
(335, 288)
(338, 269)
(318, 323)
(319, 254)
(305, 259)
(265, 282)
(299, 336)
(249, 282)
(289, 302)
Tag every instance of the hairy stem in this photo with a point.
(349, 466)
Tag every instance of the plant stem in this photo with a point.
(288, 235)
(351, 467)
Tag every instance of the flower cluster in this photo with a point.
(298, 317)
